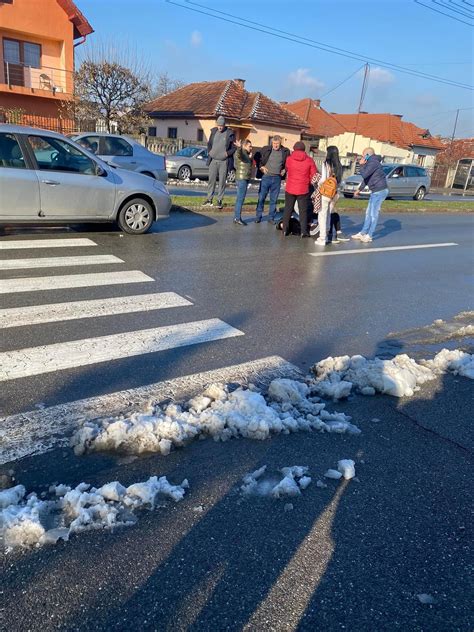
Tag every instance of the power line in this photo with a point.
(342, 82)
(445, 6)
(262, 28)
(463, 9)
(441, 12)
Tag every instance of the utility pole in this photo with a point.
(455, 125)
(361, 102)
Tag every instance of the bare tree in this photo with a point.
(165, 84)
(112, 85)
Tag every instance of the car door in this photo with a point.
(19, 186)
(68, 184)
(118, 152)
(412, 180)
(199, 160)
(396, 182)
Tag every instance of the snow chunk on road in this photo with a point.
(335, 474)
(31, 521)
(215, 413)
(294, 480)
(347, 468)
(401, 376)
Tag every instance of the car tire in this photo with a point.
(231, 176)
(348, 195)
(136, 216)
(184, 172)
(420, 194)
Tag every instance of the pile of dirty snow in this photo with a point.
(26, 520)
(401, 376)
(345, 469)
(289, 482)
(290, 407)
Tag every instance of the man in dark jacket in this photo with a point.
(221, 148)
(373, 176)
(272, 164)
(243, 173)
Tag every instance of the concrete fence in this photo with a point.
(166, 146)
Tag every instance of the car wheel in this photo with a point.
(136, 216)
(420, 194)
(348, 195)
(147, 173)
(184, 173)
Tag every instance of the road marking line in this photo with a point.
(58, 262)
(18, 244)
(67, 281)
(74, 353)
(369, 250)
(56, 312)
(38, 431)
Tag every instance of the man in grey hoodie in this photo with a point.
(221, 147)
(374, 177)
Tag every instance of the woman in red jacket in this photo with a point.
(300, 169)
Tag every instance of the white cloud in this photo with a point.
(301, 79)
(380, 76)
(196, 38)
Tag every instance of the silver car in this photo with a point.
(402, 180)
(191, 162)
(47, 178)
(125, 153)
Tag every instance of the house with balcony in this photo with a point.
(37, 41)
(190, 113)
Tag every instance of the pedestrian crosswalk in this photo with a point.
(72, 354)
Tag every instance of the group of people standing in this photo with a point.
(314, 194)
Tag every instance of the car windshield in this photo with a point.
(187, 152)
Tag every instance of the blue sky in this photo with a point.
(194, 47)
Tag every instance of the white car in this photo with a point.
(46, 178)
(125, 153)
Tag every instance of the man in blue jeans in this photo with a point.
(272, 166)
(243, 173)
(373, 176)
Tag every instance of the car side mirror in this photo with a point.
(99, 171)
(200, 157)
(395, 175)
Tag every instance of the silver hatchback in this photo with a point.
(125, 153)
(402, 180)
(191, 162)
(47, 178)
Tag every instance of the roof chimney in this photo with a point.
(398, 115)
(241, 82)
(317, 103)
(283, 102)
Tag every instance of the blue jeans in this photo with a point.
(268, 184)
(372, 212)
(241, 192)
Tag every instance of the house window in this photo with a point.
(17, 55)
(420, 160)
(152, 131)
(172, 132)
(200, 135)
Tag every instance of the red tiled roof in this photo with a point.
(320, 122)
(389, 128)
(81, 25)
(208, 99)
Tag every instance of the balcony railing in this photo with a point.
(54, 80)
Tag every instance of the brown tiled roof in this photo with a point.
(210, 98)
(456, 150)
(80, 23)
(389, 128)
(320, 122)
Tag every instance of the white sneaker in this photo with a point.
(357, 236)
(366, 239)
(320, 242)
(341, 237)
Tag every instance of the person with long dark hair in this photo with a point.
(331, 176)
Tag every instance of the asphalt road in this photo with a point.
(350, 556)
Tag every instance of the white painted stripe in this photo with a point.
(67, 281)
(368, 249)
(38, 431)
(75, 353)
(19, 244)
(55, 312)
(58, 262)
